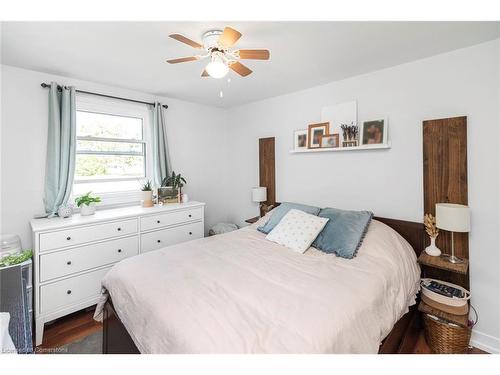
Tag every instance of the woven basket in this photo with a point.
(446, 339)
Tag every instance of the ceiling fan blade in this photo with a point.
(241, 69)
(183, 39)
(229, 37)
(205, 73)
(183, 59)
(254, 54)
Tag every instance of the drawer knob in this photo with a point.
(119, 229)
(189, 215)
(68, 292)
(68, 262)
(158, 221)
(158, 241)
(119, 250)
(190, 233)
(68, 238)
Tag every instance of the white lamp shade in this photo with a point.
(259, 194)
(453, 217)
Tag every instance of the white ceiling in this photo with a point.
(303, 54)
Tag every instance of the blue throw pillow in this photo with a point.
(282, 210)
(344, 232)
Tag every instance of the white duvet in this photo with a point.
(240, 293)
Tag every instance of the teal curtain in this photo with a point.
(61, 147)
(161, 158)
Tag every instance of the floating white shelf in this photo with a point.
(338, 149)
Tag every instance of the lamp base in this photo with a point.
(452, 259)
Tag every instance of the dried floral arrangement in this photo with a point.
(349, 132)
(430, 225)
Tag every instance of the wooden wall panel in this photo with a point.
(267, 168)
(445, 177)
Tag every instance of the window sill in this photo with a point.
(115, 200)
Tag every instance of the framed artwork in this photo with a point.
(300, 139)
(330, 141)
(374, 132)
(167, 194)
(315, 132)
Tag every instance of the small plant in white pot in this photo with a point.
(86, 203)
(147, 194)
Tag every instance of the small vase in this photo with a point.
(87, 210)
(65, 211)
(147, 199)
(432, 249)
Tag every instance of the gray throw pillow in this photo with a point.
(344, 232)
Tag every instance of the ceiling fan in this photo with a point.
(218, 46)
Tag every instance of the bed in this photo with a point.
(239, 293)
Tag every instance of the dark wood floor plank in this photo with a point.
(70, 328)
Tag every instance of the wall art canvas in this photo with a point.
(340, 113)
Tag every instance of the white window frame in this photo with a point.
(95, 104)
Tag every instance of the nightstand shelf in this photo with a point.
(461, 320)
(451, 333)
(252, 220)
(441, 263)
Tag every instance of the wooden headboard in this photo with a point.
(411, 231)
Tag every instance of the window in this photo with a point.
(111, 150)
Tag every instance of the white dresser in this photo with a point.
(72, 255)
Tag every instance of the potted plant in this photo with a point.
(86, 203)
(147, 194)
(171, 188)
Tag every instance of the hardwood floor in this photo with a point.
(68, 329)
(81, 324)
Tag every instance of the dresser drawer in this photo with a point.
(66, 262)
(76, 236)
(166, 237)
(71, 291)
(170, 218)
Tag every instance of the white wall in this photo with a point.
(389, 182)
(196, 135)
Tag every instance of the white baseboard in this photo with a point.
(485, 342)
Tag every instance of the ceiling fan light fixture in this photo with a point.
(217, 69)
(218, 45)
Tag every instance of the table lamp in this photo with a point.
(259, 195)
(454, 218)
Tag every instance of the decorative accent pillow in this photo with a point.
(297, 230)
(282, 210)
(344, 232)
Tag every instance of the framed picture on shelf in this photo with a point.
(374, 132)
(167, 194)
(315, 132)
(330, 141)
(300, 139)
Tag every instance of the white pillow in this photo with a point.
(297, 230)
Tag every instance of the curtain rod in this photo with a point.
(46, 85)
